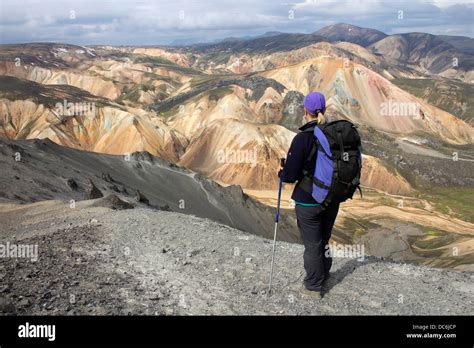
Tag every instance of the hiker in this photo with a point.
(315, 219)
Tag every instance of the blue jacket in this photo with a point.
(296, 161)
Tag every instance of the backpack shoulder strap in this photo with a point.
(306, 182)
(314, 147)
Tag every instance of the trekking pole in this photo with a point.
(282, 164)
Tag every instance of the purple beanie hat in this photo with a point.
(315, 101)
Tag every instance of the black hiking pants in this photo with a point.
(315, 225)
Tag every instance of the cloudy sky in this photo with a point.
(147, 22)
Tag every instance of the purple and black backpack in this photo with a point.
(338, 151)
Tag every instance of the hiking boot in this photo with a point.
(311, 293)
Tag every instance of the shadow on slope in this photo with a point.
(44, 171)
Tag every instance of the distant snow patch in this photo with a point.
(89, 51)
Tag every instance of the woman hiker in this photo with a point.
(314, 223)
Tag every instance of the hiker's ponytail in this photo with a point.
(321, 119)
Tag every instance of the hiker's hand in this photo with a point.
(282, 163)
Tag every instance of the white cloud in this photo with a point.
(447, 3)
(153, 22)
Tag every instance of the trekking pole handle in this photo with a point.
(280, 184)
